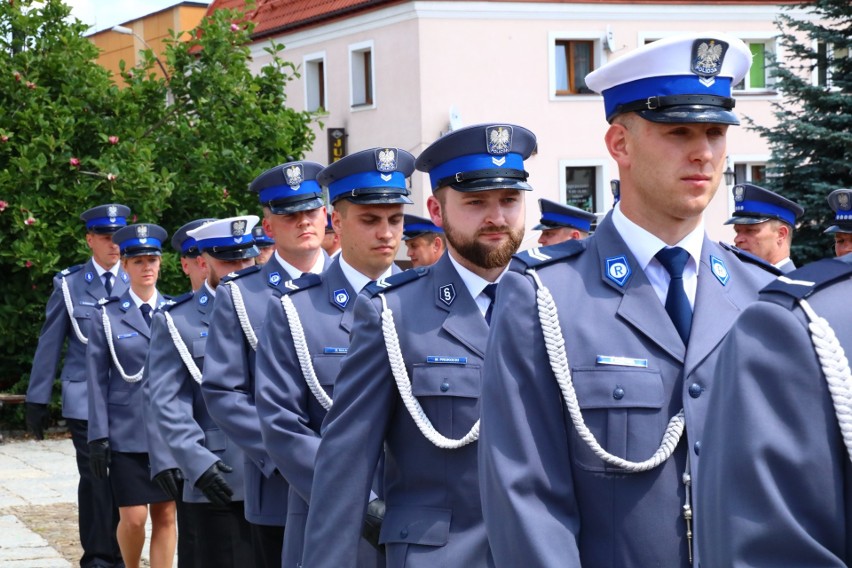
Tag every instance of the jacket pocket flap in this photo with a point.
(327, 367)
(617, 388)
(416, 525)
(446, 380)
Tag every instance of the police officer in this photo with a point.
(424, 240)
(294, 216)
(416, 393)
(264, 244)
(118, 434)
(584, 459)
(212, 465)
(331, 241)
(76, 292)
(764, 222)
(560, 223)
(295, 386)
(840, 201)
(187, 249)
(775, 472)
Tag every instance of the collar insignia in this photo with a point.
(618, 270)
(447, 293)
(720, 271)
(341, 297)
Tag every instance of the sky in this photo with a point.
(103, 14)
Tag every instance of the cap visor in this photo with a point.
(105, 229)
(289, 207)
(376, 199)
(488, 184)
(234, 254)
(134, 252)
(746, 220)
(691, 113)
(837, 229)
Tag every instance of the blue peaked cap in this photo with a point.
(414, 226)
(555, 215)
(289, 188)
(368, 177)
(106, 218)
(754, 204)
(840, 201)
(142, 239)
(260, 237)
(183, 243)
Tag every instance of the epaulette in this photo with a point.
(70, 270)
(172, 302)
(107, 300)
(397, 280)
(241, 273)
(301, 283)
(541, 256)
(806, 280)
(746, 256)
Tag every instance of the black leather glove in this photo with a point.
(214, 486)
(99, 457)
(37, 417)
(373, 523)
(170, 481)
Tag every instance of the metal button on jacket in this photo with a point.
(695, 390)
(618, 393)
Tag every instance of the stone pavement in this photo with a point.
(37, 475)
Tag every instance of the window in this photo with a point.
(828, 62)
(581, 187)
(758, 77)
(315, 83)
(361, 74)
(573, 60)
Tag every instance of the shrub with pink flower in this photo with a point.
(3, 205)
(30, 221)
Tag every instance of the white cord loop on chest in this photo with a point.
(182, 350)
(240, 308)
(555, 343)
(108, 331)
(403, 383)
(69, 306)
(301, 346)
(835, 367)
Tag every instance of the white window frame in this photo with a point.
(828, 73)
(746, 161)
(597, 53)
(603, 194)
(359, 48)
(309, 62)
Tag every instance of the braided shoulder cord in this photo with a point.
(555, 343)
(108, 330)
(403, 383)
(182, 350)
(240, 307)
(301, 345)
(835, 367)
(69, 306)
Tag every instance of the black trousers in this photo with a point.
(222, 536)
(186, 531)
(97, 513)
(268, 543)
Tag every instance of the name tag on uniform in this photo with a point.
(621, 361)
(126, 335)
(335, 350)
(438, 359)
(83, 303)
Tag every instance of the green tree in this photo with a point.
(172, 148)
(812, 142)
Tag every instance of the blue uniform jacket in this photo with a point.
(177, 408)
(777, 477)
(117, 407)
(290, 415)
(228, 385)
(433, 517)
(548, 499)
(85, 289)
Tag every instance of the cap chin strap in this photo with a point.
(301, 346)
(242, 315)
(835, 367)
(108, 331)
(403, 383)
(69, 306)
(182, 350)
(659, 103)
(555, 343)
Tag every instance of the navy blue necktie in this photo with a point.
(108, 282)
(677, 304)
(490, 291)
(146, 313)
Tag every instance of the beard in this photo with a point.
(484, 255)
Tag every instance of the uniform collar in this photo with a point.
(138, 301)
(99, 269)
(294, 272)
(211, 291)
(355, 278)
(644, 245)
(474, 283)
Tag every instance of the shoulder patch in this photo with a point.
(70, 270)
(170, 303)
(806, 280)
(397, 280)
(241, 273)
(541, 256)
(301, 283)
(750, 258)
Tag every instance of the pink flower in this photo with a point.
(28, 264)
(17, 76)
(31, 85)
(111, 177)
(4, 139)
(234, 27)
(3, 206)
(113, 139)
(74, 162)
(225, 193)
(134, 218)
(30, 221)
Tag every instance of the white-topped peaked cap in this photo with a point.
(227, 239)
(683, 78)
